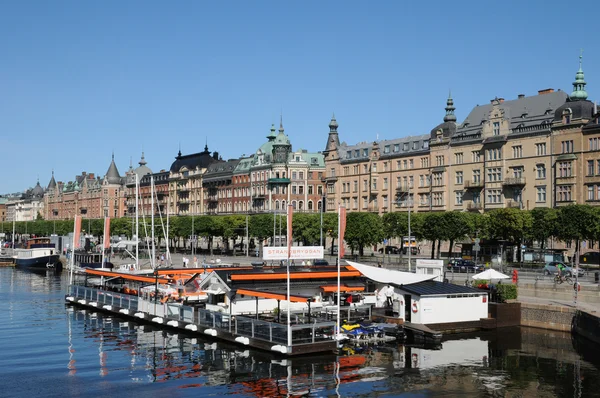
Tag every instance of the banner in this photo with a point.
(297, 253)
(77, 233)
(342, 230)
(106, 244)
(290, 211)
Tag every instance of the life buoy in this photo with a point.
(577, 286)
(415, 308)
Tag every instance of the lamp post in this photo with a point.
(403, 195)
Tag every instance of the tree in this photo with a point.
(456, 226)
(260, 226)
(509, 225)
(395, 225)
(363, 229)
(306, 228)
(543, 226)
(431, 228)
(576, 223)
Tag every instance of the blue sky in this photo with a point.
(81, 79)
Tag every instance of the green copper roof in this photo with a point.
(579, 92)
(450, 116)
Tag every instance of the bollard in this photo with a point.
(597, 277)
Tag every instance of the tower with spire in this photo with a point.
(579, 92)
(448, 127)
(450, 116)
(112, 174)
(333, 139)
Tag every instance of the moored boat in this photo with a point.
(39, 254)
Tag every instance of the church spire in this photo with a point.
(281, 124)
(333, 140)
(450, 116)
(579, 92)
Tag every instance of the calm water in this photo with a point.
(52, 350)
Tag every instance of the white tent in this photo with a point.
(490, 274)
(388, 276)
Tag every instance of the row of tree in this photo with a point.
(573, 223)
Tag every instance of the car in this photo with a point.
(389, 250)
(590, 258)
(551, 269)
(460, 265)
(320, 261)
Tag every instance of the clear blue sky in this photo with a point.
(79, 79)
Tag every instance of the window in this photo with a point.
(364, 202)
(301, 174)
(564, 193)
(567, 146)
(405, 164)
(348, 154)
(310, 190)
(385, 183)
(365, 168)
(425, 144)
(540, 149)
(458, 197)
(540, 171)
(365, 152)
(439, 160)
(398, 165)
(424, 162)
(356, 153)
(438, 179)
(517, 151)
(421, 180)
(564, 169)
(475, 156)
(346, 170)
(396, 147)
(374, 167)
(385, 166)
(385, 201)
(476, 175)
(493, 154)
(459, 177)
(301, 189)
(590, 167)
(494, 174)
(458, 158)
(374, 183)
(386, 149)
(598, 166)
(405, 146)
(415, 145)
(567, 116)
(411, 164)
(496, 128)
(590, 190)
(411, 181)
(518, 172)
(331, 173)
(438, 198)
(593, 144)
(365, 185)
(494, 196)
(355, 184)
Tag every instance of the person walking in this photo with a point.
(195, 262)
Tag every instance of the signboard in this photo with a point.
(298, 252)
(431, 267)
(476, 247)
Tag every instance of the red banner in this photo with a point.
(290, 212)
(342, 227)
(106, 244)
(77, 233)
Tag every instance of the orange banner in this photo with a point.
(290, 212)
(342, 224)
(106, 244)
(77, 233)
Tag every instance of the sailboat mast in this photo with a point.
(137, 221)
(152, 232)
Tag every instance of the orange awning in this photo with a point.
(191, 271)
(130, 277)
(273, 295)
(293, 276)
(334, 288)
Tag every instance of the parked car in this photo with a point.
(320, 261)
(551, 269)
(460, 265)
(389, 250)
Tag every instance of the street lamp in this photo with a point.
(403, 195)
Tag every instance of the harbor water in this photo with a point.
(50, 349)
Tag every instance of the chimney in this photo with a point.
(501, 100)
(521, 96)
(216, 155)
(545, 91)
(92, 176)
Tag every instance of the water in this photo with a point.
(52, 350)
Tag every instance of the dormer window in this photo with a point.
(496, 128)
(566, 116)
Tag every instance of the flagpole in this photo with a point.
(289, 245)
(340, 243)
(137, 222)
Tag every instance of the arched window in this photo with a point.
(310, 205)
(276, 205)
(319, 205)
(566, 116)
(300, 205)
(294, 204)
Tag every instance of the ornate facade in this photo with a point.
(536, 151)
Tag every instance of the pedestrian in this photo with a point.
(195, 262)
(162, 259)
(389, 293)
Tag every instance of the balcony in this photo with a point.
(474, 206)
(513, 204)
(212, 199)
(471, 184)
(258, 196)
(403, 188)
(330, 179)
(373, 208)
(514, 181)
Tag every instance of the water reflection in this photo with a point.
(514, 361)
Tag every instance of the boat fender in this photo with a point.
(415, 307)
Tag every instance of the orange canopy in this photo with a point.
(295, 275)
(273, 295)
(334, 288)
(130, 277)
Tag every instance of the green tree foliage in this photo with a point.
(576, 223)
(456, 226)
(395, 225)
(363, 229)
(509, 224)
(306, 228)
(432, 228)
(543, 225)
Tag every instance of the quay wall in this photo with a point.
(588, 294)
(547, 316)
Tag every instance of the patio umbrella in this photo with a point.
(490, 274)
